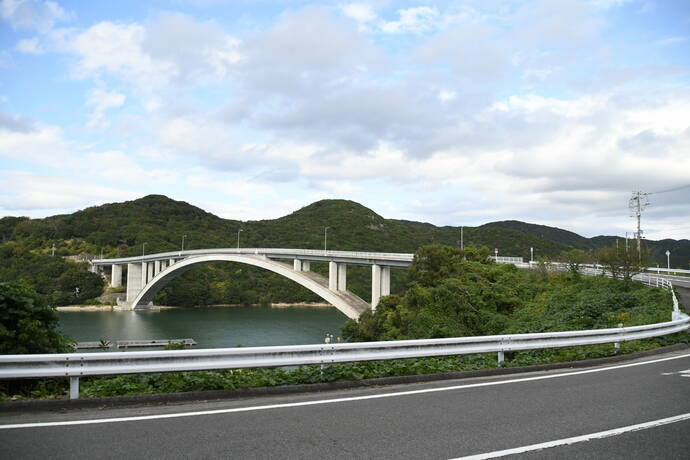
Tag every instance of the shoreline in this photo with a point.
(73, 308)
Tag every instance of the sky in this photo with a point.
(449, 112)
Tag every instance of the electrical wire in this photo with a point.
(670, 190)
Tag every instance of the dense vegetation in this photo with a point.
(27, 323)
(456, 293)
(64, 281)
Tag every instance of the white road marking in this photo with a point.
(576, 439)
(329, 401)
(685, 373)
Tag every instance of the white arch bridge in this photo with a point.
(148, 274)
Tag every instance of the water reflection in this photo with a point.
(210, 327)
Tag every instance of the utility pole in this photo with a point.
(637, 204)
(626, 242)
(462, 238)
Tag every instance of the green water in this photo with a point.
(211, 327)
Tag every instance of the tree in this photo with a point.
(574, 259)
(623, 263)
(435, 262)
(27, 323)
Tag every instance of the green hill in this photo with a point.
(554, 234)
(121, 229)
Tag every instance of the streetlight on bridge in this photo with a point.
(143, 247)
(182, 248)
(325, 238)
(668, 260)
(238, 238)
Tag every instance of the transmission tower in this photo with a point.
(637, 204)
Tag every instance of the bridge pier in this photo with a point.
(342, 277)
(116, 275)
(156, 267)
(332, 276)
(134, 281)
(300, 265)
(380, 283)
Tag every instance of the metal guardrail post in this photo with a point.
(617, 345)
(74, 387)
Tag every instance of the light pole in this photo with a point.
(183, 237)
(462, 238)
(143, 247)
(531, 254)
(238, 238)
(325, 238)
(668, 260)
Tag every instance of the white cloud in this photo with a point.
(415, 20)
(446, 95)
(360, 12)
(286, 59)
(40, 144)
(113, 48)
(32, 14)
(34, 192)
(173, 49)
(193, 50)
(475, 52)
(670, 41)
(100, 101)
(30, 46)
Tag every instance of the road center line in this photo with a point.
(576, 439)
(328, 401)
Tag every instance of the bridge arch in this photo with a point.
(348, 303)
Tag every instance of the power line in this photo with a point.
(670, 190)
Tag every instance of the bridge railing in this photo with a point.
(383, 256)
(507, 260)
(76, 365)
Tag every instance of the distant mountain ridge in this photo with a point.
(156, 223)
(680, 249)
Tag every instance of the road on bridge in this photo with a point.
(646, 402)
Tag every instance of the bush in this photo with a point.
(27, 323)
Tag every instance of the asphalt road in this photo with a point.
(681, 281)
(448, 419)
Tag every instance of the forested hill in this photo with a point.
(120, 229)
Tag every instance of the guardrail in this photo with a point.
(76, 365)
(507, 260)
(659, 270)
